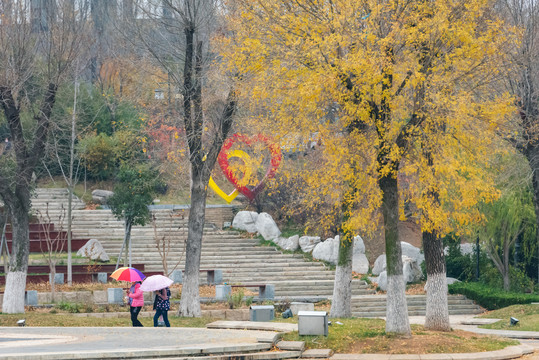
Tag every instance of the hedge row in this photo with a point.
(491, 298)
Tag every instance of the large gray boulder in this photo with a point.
(410, 268)
(465, 249)
(327, 250)
(359, 245)
(407, 250)
(382, 281)
(245, 220)
(360, 263)
(411, 271)
(412, 252)
(101, 196)
(93, 250)
(379, 265)
(307, 243)
(291, 243)
(266, 226)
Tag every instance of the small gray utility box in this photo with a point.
(262, 312)
(313, 323)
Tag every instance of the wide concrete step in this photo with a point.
(415, 313)
(375, 305)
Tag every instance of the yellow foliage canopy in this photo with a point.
(411, 85)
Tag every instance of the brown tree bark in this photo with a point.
(437, 316)
(17, 197)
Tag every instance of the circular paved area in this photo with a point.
(66, 342)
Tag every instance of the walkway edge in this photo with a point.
(509, 352)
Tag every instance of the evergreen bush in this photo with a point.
(489, 297)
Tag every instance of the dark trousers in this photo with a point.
(134, 314)
(158, 313)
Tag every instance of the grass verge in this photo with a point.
(527, 315)
(368, 336)
(60, 319)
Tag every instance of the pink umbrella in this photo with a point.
(155, 282)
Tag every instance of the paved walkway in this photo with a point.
(228, 337)
(122, 342)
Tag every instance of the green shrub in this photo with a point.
(235, 300)
(489, 297)
(99, 155)
(520, 282)
(70, 307)
(463, 267)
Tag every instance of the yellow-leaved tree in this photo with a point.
(409, 84)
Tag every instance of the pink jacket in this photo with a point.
(137, 296)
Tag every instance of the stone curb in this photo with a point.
(509, 352)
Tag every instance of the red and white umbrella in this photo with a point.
(155, 282)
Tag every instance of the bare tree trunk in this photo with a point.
(437, 316)
(127, 242)
(4, 251)
(532, 154)
(397, 309)
(70, 185)
(506, 281)
(18, 265)
(53, 282)
(342, 287)
(190, 299)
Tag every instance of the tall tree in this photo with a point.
(179, 39)
(38, 46)
(133, 192)
(523, 82)
(507, 219)
(398, 71)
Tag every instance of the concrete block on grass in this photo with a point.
(100, 297)
(30, 298)
(58, 278)
(295, 307)
(177, 276)
(102, 277)
(267, 292)
(222, 291)
(115, 296)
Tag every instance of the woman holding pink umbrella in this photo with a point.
(161, 305)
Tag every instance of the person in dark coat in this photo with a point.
(161, 306)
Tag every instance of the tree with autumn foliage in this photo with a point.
(408, 82)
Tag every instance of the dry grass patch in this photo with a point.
(368, 336)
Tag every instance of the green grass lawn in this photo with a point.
(66, 319)
(528, 316)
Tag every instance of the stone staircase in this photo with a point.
(242, 259)
(375, 305)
